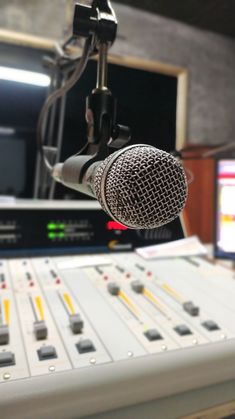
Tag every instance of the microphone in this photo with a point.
(139, 186)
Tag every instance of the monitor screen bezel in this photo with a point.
(218, 253)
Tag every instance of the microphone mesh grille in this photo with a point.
(143, 187)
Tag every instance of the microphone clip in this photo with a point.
(98, 20)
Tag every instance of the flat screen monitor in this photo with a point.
(225, 209)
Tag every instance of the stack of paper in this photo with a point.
(190, 246)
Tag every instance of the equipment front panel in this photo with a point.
(67, 230)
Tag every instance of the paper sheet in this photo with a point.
(190, 246)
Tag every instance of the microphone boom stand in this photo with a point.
(98, 22)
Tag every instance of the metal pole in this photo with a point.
(102, 67)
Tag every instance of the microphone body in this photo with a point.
(139, 186)
(69, 174)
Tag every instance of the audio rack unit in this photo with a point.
(37, 227)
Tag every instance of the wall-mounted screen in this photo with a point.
(225, 209)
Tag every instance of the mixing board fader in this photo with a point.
(13, 362)
(82, 343)
(44, 349)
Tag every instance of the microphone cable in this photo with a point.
(76, 75)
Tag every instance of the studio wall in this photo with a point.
(209, 58)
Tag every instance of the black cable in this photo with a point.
(87, 50)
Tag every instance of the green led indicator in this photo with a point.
(55, 226)
(51, 226)
(61, 235)
(51, 235)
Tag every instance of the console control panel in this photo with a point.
(64, 313)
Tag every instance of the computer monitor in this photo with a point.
(225, 209)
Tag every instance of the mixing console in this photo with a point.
(76, 327)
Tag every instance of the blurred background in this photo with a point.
(178, 93)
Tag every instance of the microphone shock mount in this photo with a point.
(99, 22)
